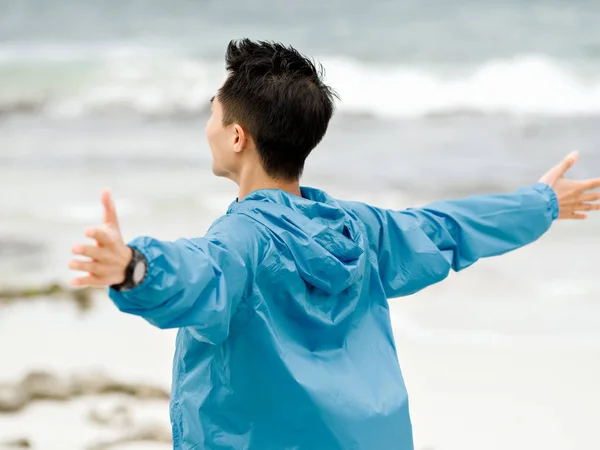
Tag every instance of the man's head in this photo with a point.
(273, 109)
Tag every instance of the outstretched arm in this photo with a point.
(418, 247)
(189, 282)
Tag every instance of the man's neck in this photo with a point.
(254, 184)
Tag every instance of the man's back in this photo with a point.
(309, 362)
(286, 340)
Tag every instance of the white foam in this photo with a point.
(521, 85)
(147, 80)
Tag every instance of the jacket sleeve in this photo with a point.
(194, 283)
(417, 247)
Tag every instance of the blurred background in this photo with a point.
(439, 99)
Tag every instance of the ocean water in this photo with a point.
(388, 59)
(438, 100)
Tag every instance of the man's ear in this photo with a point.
(240, 138)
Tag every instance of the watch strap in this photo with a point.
(129, 282)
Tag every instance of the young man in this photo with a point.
(284, 335)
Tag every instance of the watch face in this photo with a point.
(139, 272)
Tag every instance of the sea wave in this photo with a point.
(70, 82)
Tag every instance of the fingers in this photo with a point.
(99, 263)
(591, 184)
(98, 266)
(91, 251)
(590, 197)
(566, 164)
(91, 267)
(89, 280)
(99, 274)
(587, 207)
(574, 211)
(104, 236)
(586, 202)
(559, 170)
(574, 215)
(110, 212)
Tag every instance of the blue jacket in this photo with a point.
(284, 338)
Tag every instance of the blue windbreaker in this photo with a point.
(284, 337)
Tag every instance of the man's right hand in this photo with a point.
(574, 196)
(108, 259)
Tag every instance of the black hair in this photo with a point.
(278, 96)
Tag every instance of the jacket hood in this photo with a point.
(325, 242)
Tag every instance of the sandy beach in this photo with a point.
(480, 374)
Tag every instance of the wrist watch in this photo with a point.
(135, 272)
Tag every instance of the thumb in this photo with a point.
(110, 213)
(558, 171)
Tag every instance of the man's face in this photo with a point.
(221, 141)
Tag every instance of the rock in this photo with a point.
(146, 392)
(99, 383)
(39, 385)
(45, 386)
(17, 443)
(118, 417)
(91, 383)
(12, 398)
(83, 298)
